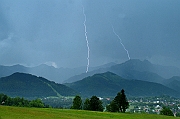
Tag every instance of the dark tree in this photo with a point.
(124, 101)
(112, 107)
(77, 103)
(166, 111)
(36, 103)
(95, 104)
(86, 105)
(119, 104)
(3, 98)
(20, 102)
(178, 114)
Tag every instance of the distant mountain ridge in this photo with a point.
(103, 84)
(54, 74)
(146, 66)
(108, 84)
(49, 72)
(134, 69)
(129, 69)
(27, 85)
(173, 83)
(139, 70)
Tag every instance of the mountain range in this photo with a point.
(108, 84)
(138, 78)
(139, 70)
(104, 84)
(134, 69)
(54, 74)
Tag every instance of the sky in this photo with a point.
(52, 32)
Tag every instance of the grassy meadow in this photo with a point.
(7, 112)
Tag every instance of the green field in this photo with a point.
(49, 113)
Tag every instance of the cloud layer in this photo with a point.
(51, 31)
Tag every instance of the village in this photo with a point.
(153, 105)
(148, 105)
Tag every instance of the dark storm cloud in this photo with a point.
(51, 31)
(4, 25)
(148, 29)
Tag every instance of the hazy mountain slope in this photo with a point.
(144, 66)
(27, 85)
(51, 73)
(108, 84)
(8, 70)
(83, 75)
(131, 69)
(139, 75)
(173, 83)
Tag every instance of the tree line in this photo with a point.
(119, 103)
(21, 102)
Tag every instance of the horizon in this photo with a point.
(115, 63)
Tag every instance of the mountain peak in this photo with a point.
(17, 66)
(135, 64)
(20, 74)
(138, 61)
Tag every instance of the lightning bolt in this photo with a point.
(121, 43)
(86, 37)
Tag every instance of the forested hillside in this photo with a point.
(27, 85)
(108, 84)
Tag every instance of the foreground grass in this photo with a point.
(49, 113)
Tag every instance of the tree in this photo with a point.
(36, 103)
(178, 114)
(9, 101)
(77, 103)
(119, 104)
(86, 104)
(166, 111)
(21, 102)
(3, 99)
(95, 104)
(124, 101)
(112, 107)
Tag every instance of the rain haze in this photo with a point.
(52, 32)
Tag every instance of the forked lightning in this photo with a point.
(121, 43)
(87, 42)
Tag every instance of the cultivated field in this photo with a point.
(49, 113)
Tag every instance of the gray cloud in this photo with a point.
(52, 31)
